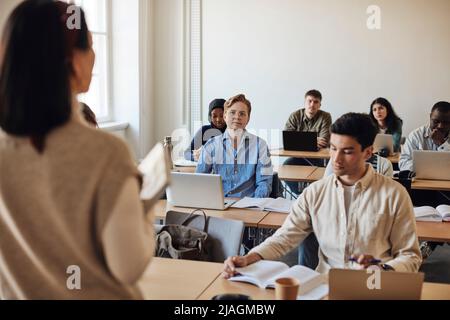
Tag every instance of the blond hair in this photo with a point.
(238, 98)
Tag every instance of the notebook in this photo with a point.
(265, 204)
(426, 213)
(313, 285)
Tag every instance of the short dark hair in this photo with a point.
(393, 121)
(357, 125)
(35, 92)
(441, 106)
(314, 93)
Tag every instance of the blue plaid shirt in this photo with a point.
(245, 172)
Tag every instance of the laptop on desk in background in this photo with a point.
(300, 141)
(383, 141)
(348, 284)
(197, 190)
(431, 165)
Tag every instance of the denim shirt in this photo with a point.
(245, 172)
(201, 137)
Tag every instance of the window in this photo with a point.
(98, 16)
(195, 63)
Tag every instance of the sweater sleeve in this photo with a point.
(128, 238)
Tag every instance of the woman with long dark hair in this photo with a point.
(71, 222)
(387, 121)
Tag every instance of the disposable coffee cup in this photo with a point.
(286, 288)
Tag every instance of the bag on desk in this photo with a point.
(179, 241)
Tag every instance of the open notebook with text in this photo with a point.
(313, 285)
(427, 213)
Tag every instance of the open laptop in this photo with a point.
(348, 284)
(197, 190)
(383, 141)
(431, 165)
(300, 141)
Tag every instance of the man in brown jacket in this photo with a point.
(309, 119)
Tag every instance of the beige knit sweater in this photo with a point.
(53, 209)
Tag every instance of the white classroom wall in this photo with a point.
(6, 7)
(275, 50)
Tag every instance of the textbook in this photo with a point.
(155, 170)
(266, 204)
(426, 213)
(313, 285)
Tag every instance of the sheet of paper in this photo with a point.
(155, 171)
(268, 204)
(250, 203)
(185, 163)
(279, 205)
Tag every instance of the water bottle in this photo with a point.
(169, 147)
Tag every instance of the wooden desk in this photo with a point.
(433, 231)
(436, 185)
(273, 220)
(168, 279)
(317, 174)
(321, 154)
(299, 174)
(295, 173)
(395, 158)
(251, 218)
(430, 291)
(426, 231)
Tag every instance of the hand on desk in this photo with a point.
(365, 260)
(196, 153)
(230, 265)
(322, 143)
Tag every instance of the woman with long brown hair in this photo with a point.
(71, 222)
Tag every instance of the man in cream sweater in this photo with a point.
(356, 214)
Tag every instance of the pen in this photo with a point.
(373, 261)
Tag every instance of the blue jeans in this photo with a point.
(308, 252)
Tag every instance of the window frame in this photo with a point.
(108, 64)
